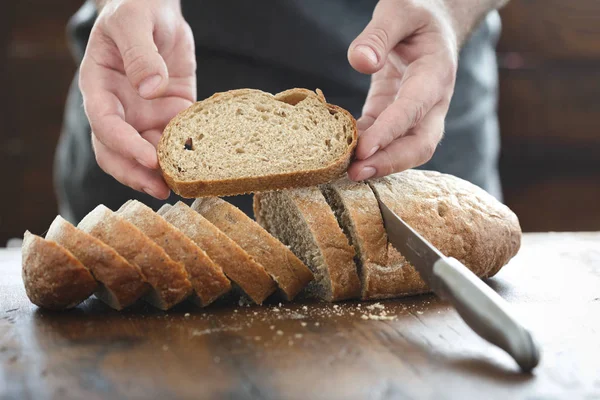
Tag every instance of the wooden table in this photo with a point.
(409, 348)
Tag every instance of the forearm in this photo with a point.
(467, 14)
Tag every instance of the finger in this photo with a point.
(152, 136)
(105, 113)
(145, 68)
(130, 173)
(425, 84)
(146, 114)
(406, 152)
(389, 26)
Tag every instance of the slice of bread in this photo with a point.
(246, 140)
(235, 262)
(206, 277)
(162, 210)
(460, 219)
(284, 267)
(383, 271)
(52, 276)
(167, 278)
(302, 219)
(121, 283)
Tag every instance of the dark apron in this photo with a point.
(274, 45)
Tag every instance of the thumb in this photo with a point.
(388, 27)
(144, 66)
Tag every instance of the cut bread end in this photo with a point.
(52, 275)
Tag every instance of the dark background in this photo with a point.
(549, 111)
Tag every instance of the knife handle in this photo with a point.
(486, 312)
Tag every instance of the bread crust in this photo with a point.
(122, 282)
(53, 277)
(460, 219)
(338, 254)
(229, 187)
(290, 274)
(235, 262)
(168, 278)
(207, 278)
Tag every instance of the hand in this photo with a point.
(410, 47)
(138, 72)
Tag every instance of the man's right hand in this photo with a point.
(138, 72)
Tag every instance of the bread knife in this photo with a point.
(479, 306)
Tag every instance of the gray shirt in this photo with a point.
(277, 44)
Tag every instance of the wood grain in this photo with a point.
(312, 350)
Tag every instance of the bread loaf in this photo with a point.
(235, 262)
(52, 276)
(206, 277)
(301, 219)
(167, 278)
(462, 220)
(290, 274)
(246, 140)
(121, 283)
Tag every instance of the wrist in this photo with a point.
(465, 15)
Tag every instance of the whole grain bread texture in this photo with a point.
(120, 282)
(206, 277)
(290, 274)
(246, 140)
(460, 219)
(52, 275)
(383, 271)
(238, 265)
(167, 278)
(302, 219)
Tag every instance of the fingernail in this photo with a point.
(365, 173)
(369, 53)
(149, 85)
(372, 151)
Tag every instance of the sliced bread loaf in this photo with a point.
(121, 283)
(167, 278)
(460, 219)
(206, 277)
(302, 219)
(53, 277)
(246, 140)
(383, 271)
(290, 274)
(235, 262)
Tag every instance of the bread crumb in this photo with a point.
(279, 304)
(217, 359)
(420, 312)
(186, 315)
(280, 333)
(303, 323)
(257, 338)
(272, 327)
(290, 342)
(165, 347)
(298, 335)
(364, 316)
(317, 324)
(235, 311)
(275, 309)
(336, 306)
(305, 308)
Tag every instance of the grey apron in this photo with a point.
(273, 45)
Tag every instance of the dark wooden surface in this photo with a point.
(316, 351)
